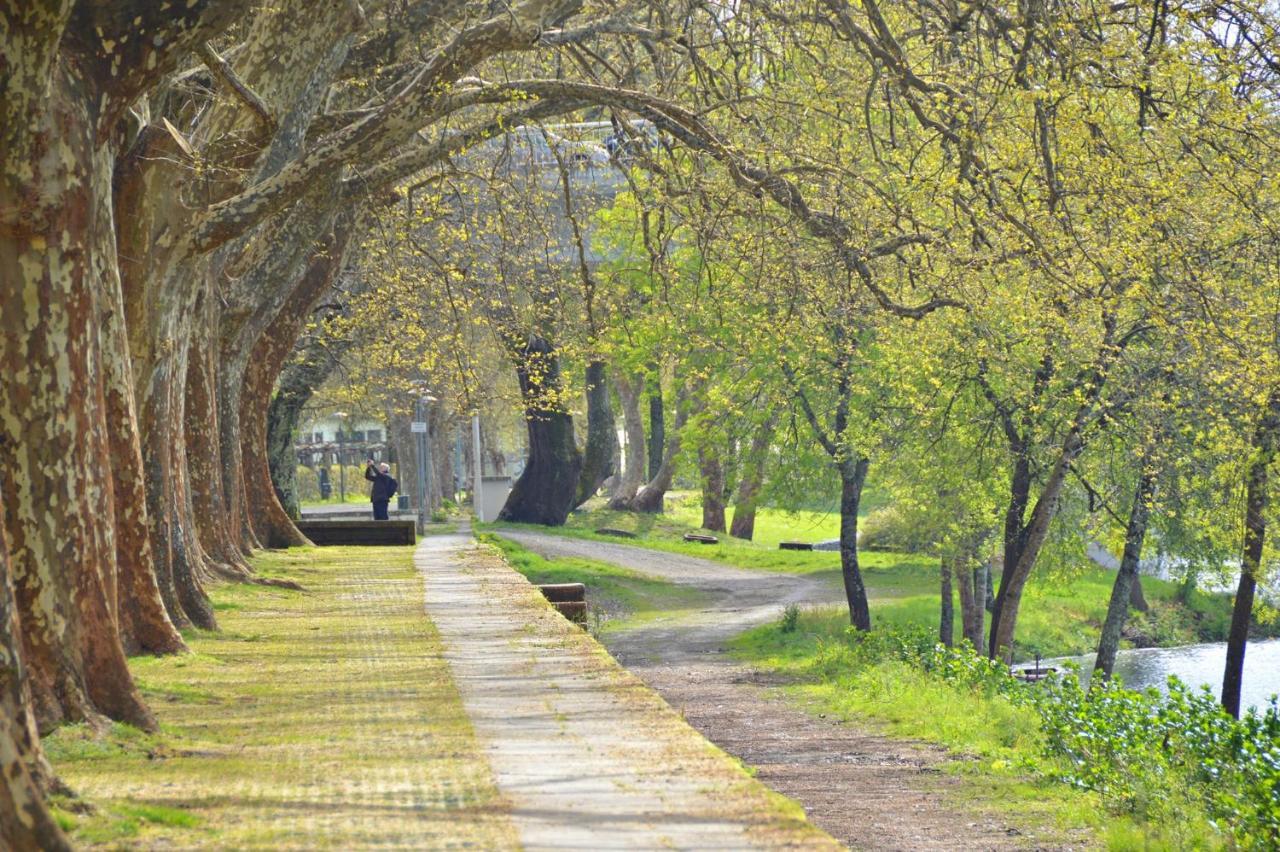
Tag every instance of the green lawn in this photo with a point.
(616, 598)
(324, 718)
(1059, 616)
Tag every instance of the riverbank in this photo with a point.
(995, 740)
(870, 791)
(1061, 614)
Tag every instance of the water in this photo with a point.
(1195, 665)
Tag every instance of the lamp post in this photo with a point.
(422, 411)
(342, 470)
(477, 490)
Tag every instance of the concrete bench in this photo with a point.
(326, 533)
(569, 599)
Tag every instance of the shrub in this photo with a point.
(790, 618)
(1179, 761)
(308, 483)
(890, 528)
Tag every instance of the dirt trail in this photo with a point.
(869, 791)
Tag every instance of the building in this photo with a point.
(319, 441)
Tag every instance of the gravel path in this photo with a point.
(870, 792)
(585, 754)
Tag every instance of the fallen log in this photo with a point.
(615, 532)
(699, 537)
(794, 545)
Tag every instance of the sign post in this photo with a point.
(476, 502)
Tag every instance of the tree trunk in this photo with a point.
(275, 526)
(1255, 534)
(1005, 618)
(633, 470)
(305, 372)
(1126, 576)
(744, 501)
(947, 615)
(853, 474)
(712, 489)
(25, 822)
(213, 515)
(54, 448)
(1137, 600)
(144, 622)
(602, 438)
(657, 429)
(971, 582)
(546, 489)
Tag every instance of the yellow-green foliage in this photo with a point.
(317, 719)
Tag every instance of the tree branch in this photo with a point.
(226, 75)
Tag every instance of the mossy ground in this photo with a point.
(318, 719)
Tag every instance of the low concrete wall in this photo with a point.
(359, 532)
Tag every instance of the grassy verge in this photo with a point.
(998, 743)
(317, 719)
(1060, 616)
(616, 598)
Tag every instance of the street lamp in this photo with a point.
(342, 470)
(422, 411)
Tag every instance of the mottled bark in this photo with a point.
(25, 821)
(748, 492)
(214, 516)
(712, 471)
(56, 277)
(657, 429)
(602, 439)
(273, 524)
(633, 470)
(145, 626)
(158, 313)
(545, 491)
(306, 371)
(971, 582)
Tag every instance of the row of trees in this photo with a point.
(180, 186)
(1008, 254)
(1019, 262)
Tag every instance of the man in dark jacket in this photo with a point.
(384, 488)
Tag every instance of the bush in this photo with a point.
(308, 483)
(790, 618)
(889, 528)
(1178, 761)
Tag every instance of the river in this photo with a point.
(1195, 665)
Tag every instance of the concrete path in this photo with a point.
(871, 792)
(586, 755)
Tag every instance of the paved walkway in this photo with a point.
(872, 792)
(585, 754)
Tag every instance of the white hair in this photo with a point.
(384, 467)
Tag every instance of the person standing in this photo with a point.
(384, 488)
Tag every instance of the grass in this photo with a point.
(996, 743)
(616, 598)
(286, 730)
(1060, 616)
